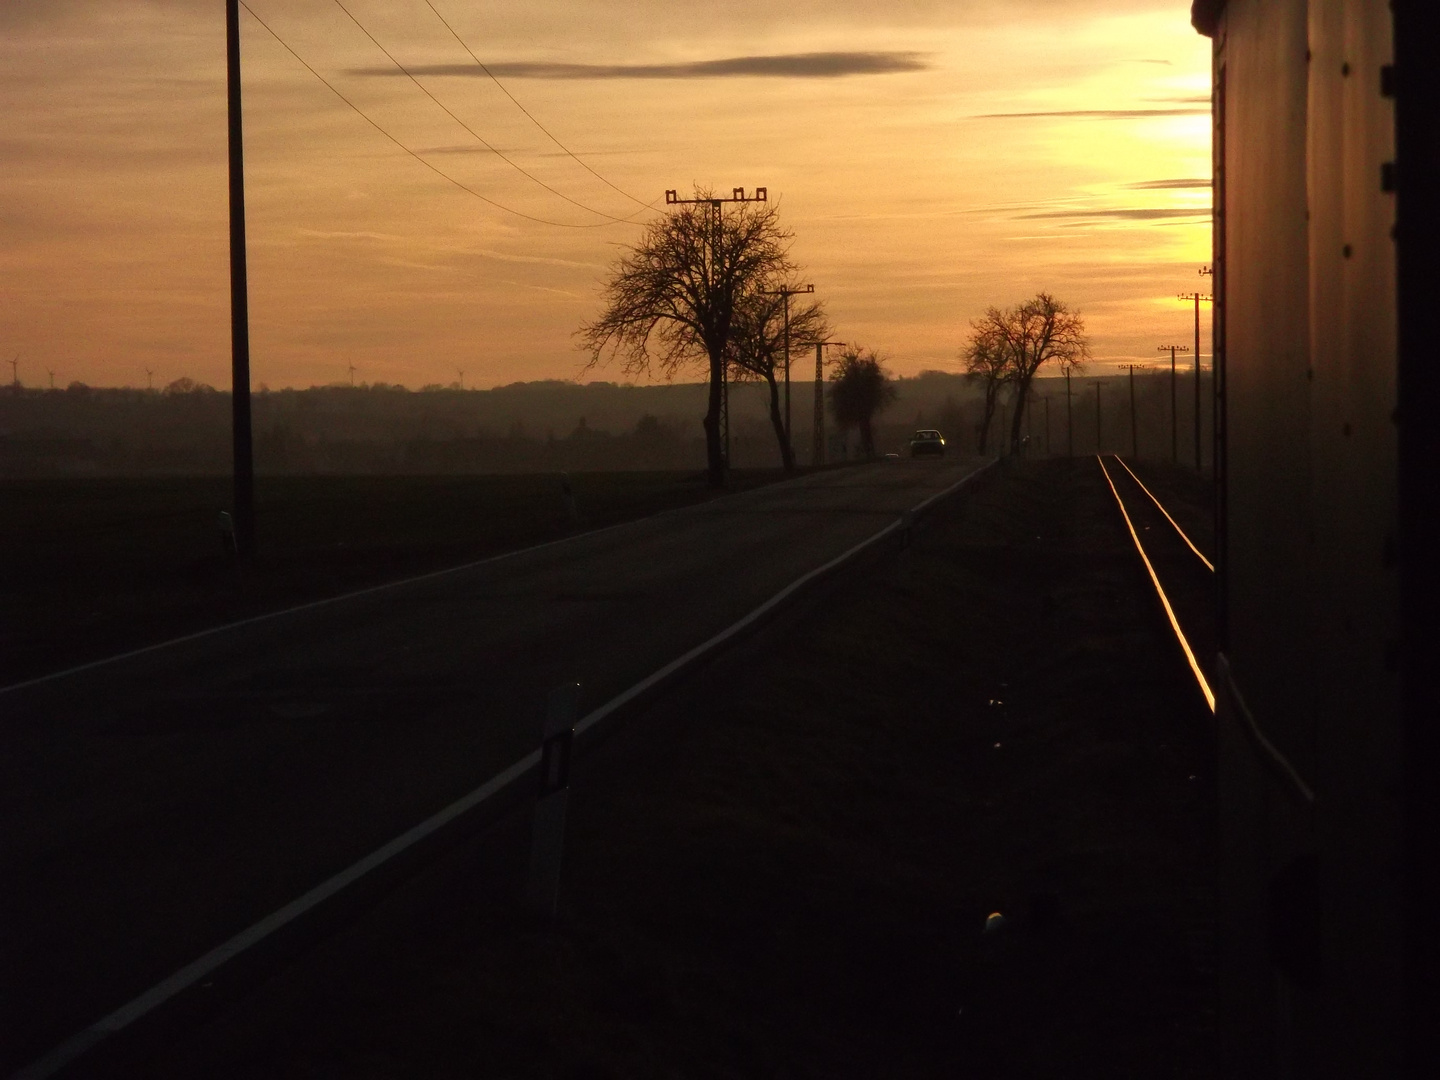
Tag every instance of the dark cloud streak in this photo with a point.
(1178, 184)
(1129, 213)
(1094, 114)
(820, 65)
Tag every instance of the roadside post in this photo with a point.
(548, 833)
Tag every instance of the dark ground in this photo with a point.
(784, 869)
(96, 567)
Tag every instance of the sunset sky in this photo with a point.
(932, 158)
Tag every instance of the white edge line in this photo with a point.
(1198, 553)
(73, 1047)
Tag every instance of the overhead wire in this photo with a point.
(506, 91)
(433, 168)
(475, 134)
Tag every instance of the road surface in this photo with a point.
(154, 806)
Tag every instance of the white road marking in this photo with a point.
(198, 970)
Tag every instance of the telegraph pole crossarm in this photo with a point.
(785, 292)
(737, 195)
(1174, 437)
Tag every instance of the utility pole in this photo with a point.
(1196, 297)
(1174, 435)
(149, 379)
(1069, 417)
(15, 371)
(1046, 399)
(785, 292)
(817, 447)
(352, 369)
(1098, 442)
(244, 455)
(1134, 443)
(462, 378)
(737, 195)
(52, 378)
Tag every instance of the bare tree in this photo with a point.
(757, 348)
(862, 388)
(1030, 335)
(672, 300)
(987, 360)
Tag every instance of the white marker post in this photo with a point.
(548, 837)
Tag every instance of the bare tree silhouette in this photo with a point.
(671, 302)
(988, 361)
(757, 348)
(861, 389)
(1028, 336)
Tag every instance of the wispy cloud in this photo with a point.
(817, 65)
(1178, 184)
(1129, 213)
(1094, 114)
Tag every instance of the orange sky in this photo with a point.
(914, 204)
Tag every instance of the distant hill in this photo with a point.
(185, 429)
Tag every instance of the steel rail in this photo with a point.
(1160, 591)
(1198, 553)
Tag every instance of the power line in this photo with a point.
(529, 115)
(433, 168)
(477, 136)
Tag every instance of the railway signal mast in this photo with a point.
(1174, 436)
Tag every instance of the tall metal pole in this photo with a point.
(785, 292)
(1134, 442)
(1174, 420)
(1197, 297)
(244, 465)
(1098, 442)
(1069, 417)
(1046, 399)
(817, 446)
(672, 198)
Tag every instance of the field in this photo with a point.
(785, 869)
(95, 567)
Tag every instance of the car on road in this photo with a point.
(928, 441)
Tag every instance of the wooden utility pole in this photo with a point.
(1134, 442)
(244, 455)
(737, 195)
(817, 446)
(785, 292)
(1196, 297)
(1174, 435)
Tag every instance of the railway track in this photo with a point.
(1180, 569)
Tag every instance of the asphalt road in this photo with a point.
(152, 807)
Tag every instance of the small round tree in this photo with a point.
(861, 388)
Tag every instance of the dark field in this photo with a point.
(92, 568)
(784, 869)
